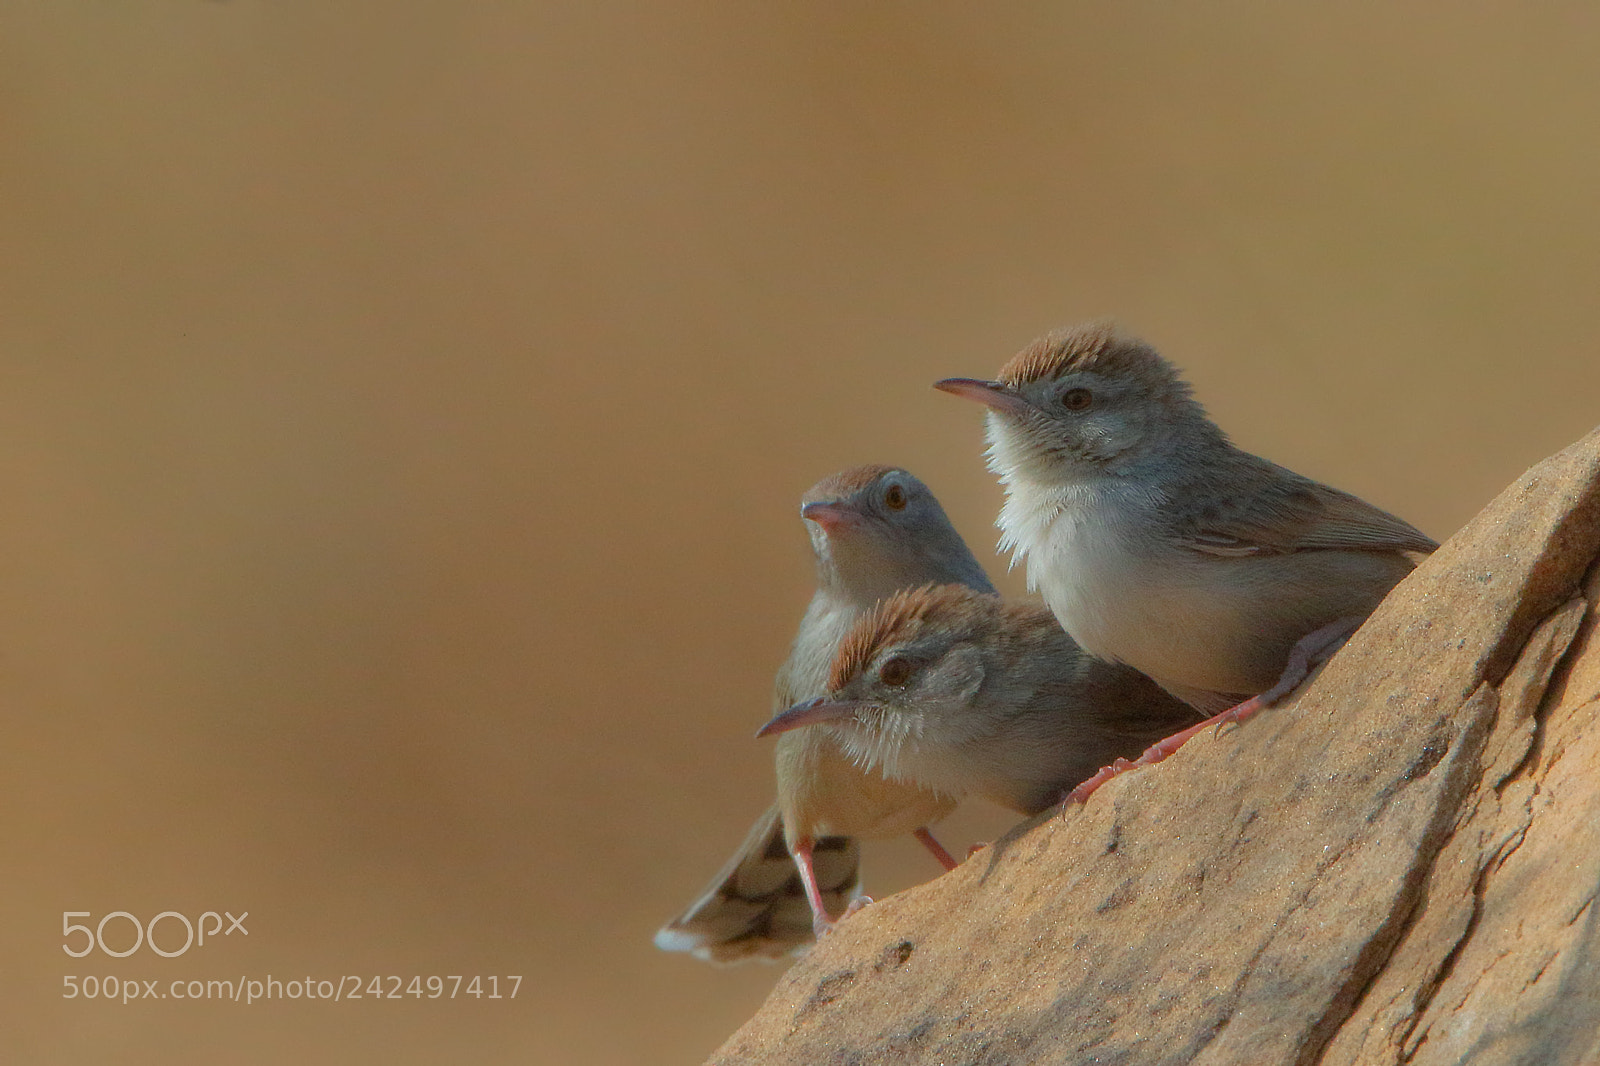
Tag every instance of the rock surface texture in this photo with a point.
(1398, 865)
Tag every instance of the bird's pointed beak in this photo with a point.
(813, 712)
(995, 395)
(829, 514)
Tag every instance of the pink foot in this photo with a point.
(1309, 651)
(821, 928)
(1101, 776)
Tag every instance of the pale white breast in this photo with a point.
(1126, 595)
(1086, 539)
(1072, 539)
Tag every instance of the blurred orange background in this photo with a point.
(404, 410)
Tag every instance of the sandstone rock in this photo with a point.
(1398, 865)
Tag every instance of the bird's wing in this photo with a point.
(1270, 510)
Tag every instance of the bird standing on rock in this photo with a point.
(1159, 544)
(874, 531)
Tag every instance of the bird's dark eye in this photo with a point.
(1077, 399)
(895, 672)
(895, 498)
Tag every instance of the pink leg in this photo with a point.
(922, 834)
(821, 924)
(1309, 651)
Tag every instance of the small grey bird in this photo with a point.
(1159, 544)
(963, 693)
(874, 530)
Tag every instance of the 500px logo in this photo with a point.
(146, 934)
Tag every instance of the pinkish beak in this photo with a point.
(995, 395)
(813, 712)
(829, 515)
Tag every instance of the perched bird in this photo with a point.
(964, 693)
(1159, 544)
(874, 530)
